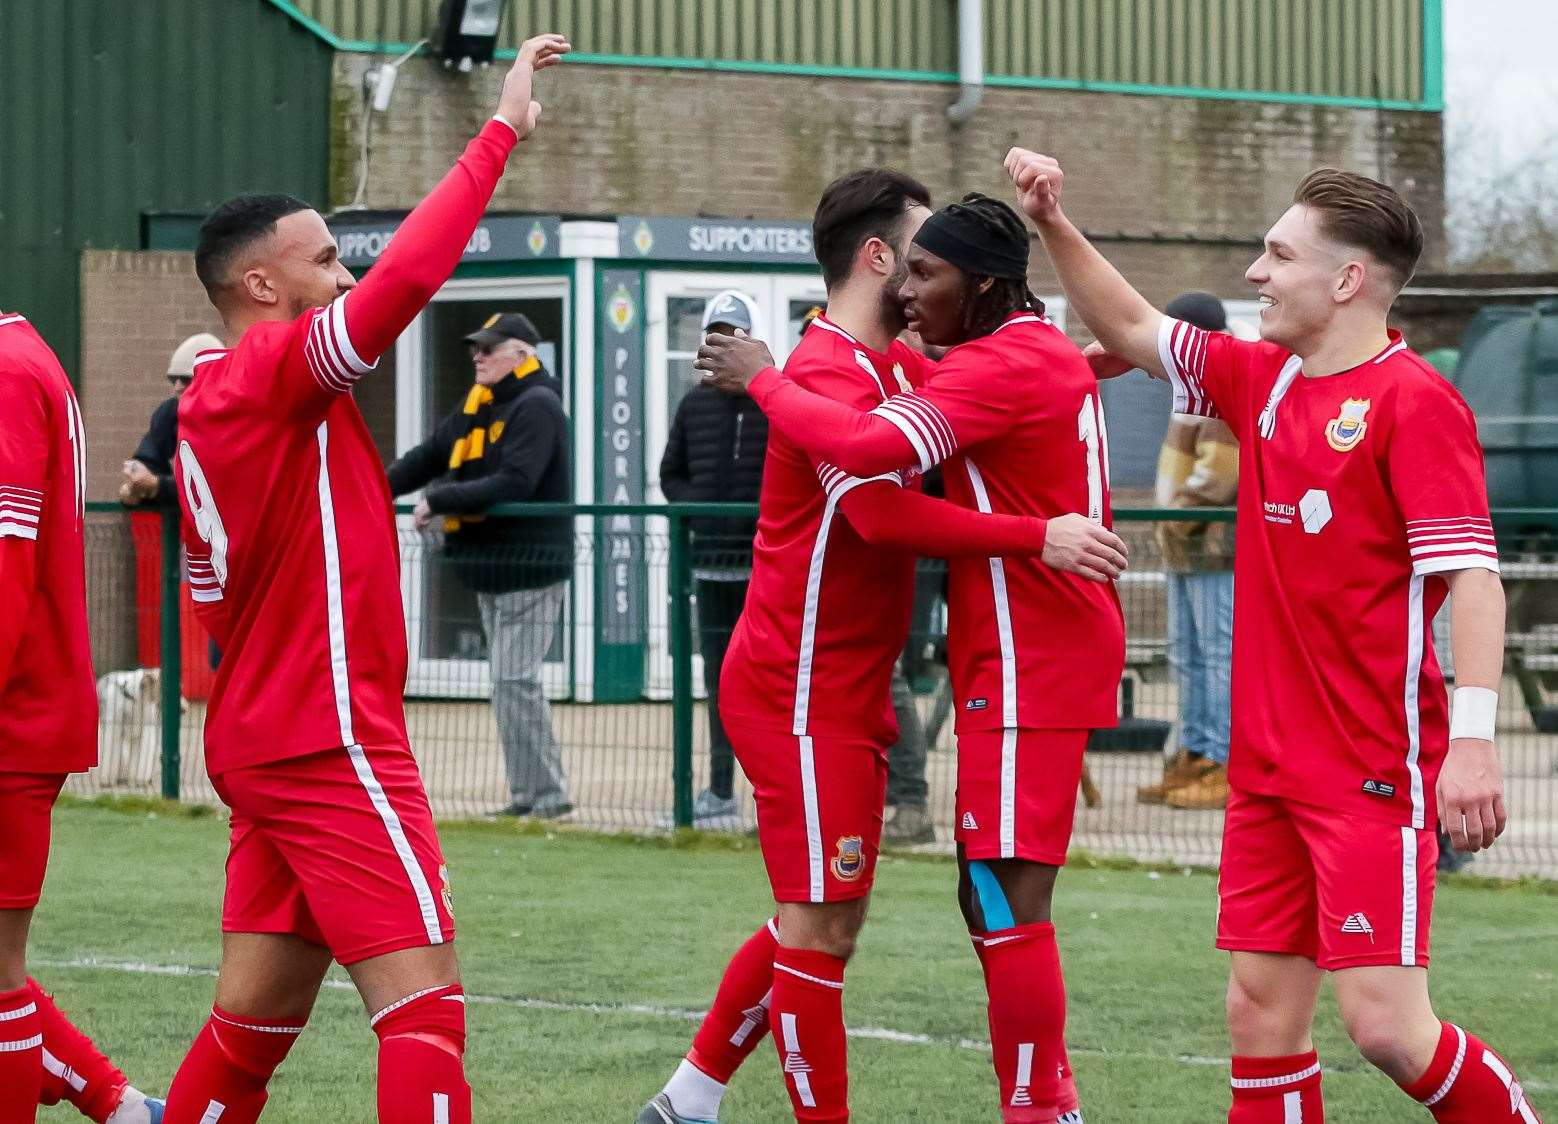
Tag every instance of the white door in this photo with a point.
(448, 652)
(675, 302)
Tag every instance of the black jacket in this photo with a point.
(527, 461)
(715, 455)
(156, 449)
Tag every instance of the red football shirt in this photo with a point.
(288, 522)
(48, 701)
(1017, 418)
(826, 614)
(1357, 492)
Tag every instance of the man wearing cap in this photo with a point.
(1198, 467)
(508, 442)
(714, 454)
(148, 474)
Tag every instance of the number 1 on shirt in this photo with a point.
(1095, 439)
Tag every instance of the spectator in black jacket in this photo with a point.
(715, 455)
(507, 443)
(148, 475)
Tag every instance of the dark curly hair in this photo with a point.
(984, 312)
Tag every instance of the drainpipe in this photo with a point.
(971, 61)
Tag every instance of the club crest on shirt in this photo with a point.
(903, 380)
(1346, 429)
(446, 892)
(849, 861)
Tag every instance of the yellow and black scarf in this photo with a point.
(481, 432)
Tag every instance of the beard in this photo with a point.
(891, 305)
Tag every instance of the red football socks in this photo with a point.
(73, 1068)
(807, 1010)
(1027, 1008)
(738, 1020)
(421, 1059)
(1066, 1101)
(1283, 1090)
(21, 1056)
(1467, 1083)
(227, 1069)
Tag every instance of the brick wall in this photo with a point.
(136, 307)
(627, 140)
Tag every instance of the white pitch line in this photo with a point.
(681, 1014)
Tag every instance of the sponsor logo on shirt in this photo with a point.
(849, 860)
(1346, 429)
(1379, 788)
(1315, 510)
(1280, 512)
(976, 704)
(1358, 923)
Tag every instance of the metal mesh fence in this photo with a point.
(603, 611)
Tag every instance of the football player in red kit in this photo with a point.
(48, 720)
(1345, 754)
(1035, 654)
(294, 565)
(805, 687)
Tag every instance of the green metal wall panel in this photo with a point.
(115, 109)
(1382, 51)
(1327, 48)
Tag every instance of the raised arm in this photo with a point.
(1122, 319)
(428, 245)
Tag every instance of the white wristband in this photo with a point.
(1474, 713)
(506, 121)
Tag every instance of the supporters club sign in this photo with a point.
(723, 240)
(497, 238)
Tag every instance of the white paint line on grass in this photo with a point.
(650, 1010)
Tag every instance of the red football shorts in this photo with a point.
(819, 810)
(337, 848)
(1017, 793)
(26, 807)
(1343, 891)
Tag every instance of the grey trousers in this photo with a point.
(519, 627)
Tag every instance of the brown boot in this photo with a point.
(1180, 770)
(1206, 792)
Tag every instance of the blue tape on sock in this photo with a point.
(992, 899)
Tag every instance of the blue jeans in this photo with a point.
(1200, 632)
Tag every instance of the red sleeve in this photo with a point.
(861, 443)
(1434, 462)
(24, 458)
(338, 344)
(969, 397)
(205, 545)
(965, 401)
(1208, 370)
(890, 516)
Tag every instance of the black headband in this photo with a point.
(972, 247)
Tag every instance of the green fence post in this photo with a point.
(172, 662)
(681, 670)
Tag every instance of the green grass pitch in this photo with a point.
(590, 954)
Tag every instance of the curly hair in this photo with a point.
(984, 312)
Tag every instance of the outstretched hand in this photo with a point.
(730, 363)
(516, 105)
(1037, 179)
